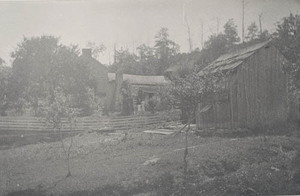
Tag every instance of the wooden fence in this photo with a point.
(86, 123)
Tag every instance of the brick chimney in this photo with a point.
(87, 53)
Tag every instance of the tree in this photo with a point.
(252, 32)
(230, 32)
(31, 62)
(5, 75)
(214, 47)
(73, 76)
(287, 39)
(126, 62)
(57, 108)
(164, 49)
(145, 52)
(189, 92)
(264, 35)
(67, 94)
(255, 36)
(97, 49)
(40, 64)
(218, 44)
(147, 59)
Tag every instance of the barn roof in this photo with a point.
(140, 79)
(232, 60)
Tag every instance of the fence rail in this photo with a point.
(86, 123)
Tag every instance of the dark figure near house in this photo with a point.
(127, 101)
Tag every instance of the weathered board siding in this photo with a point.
(257, 92)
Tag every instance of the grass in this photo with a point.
(230, 164)
(17, 140)
(269, 168)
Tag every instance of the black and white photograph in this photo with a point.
(149, 97)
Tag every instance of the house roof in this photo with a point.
(231, 61)
(140, 79)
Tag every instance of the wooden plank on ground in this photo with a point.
(160, 131)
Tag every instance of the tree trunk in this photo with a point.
(69, 172)
(67, 152)
(68, 155)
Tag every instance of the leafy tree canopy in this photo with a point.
(5, 79)
(164, 49)
(252, 32)
(287, 38)
(230, 32)
(41, 65)
(214, 47)
(97, 49)
(126, 62)
(147, 60)
(193, 89)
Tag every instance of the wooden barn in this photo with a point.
(255, 89)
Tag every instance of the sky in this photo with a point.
(129, 23)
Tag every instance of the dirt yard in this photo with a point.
(139, 163)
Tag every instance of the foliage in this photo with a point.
(214, 47)
(31, 62)
(148, 60)
(58, 106)
(194, 88)
(189, 92)
(287, 38)
(5, 76)
(218, 44)
(97, 49)
(255, 36)
(164, 46)
(185, 63)
(41, 65)
(252, 32)
(57, 109)
(230, 32)
(165, 98)
(164, 49)
(125, 61)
